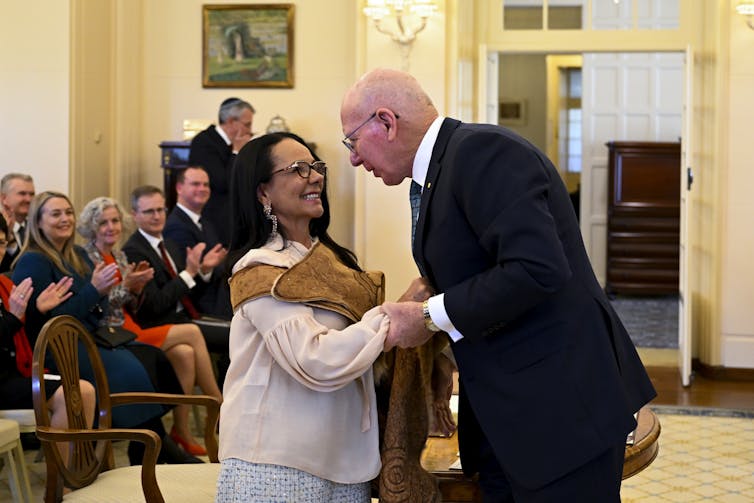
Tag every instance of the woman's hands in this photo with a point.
(104, 277)
(49, 298)
(19, 298)
(54, 295)
(137, 276)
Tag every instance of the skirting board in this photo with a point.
(722, 373)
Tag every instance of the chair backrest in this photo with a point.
(58, 346)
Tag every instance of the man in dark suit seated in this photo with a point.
(215, 150)
(166, 297)
(187, 226)
(16, 193)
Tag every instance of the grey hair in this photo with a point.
(232, 109)
(5, 182)
(89, 220)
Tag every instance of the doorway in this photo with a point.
(587, 100)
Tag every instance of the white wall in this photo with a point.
(34, 91)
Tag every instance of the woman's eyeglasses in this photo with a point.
(304, 169)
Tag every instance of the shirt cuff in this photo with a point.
(440, 318)
(205, 277)
(186, 277)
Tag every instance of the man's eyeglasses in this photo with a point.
(348, 141)
(304, 169)
(152, 211)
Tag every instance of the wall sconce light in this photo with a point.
(410, 18)
(746, 8)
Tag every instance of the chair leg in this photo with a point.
(11, 468)
(24, 473)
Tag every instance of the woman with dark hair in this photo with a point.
(16, 352)
(49, 255)
(299, 418)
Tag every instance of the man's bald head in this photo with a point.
(393, 89)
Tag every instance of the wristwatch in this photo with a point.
(428, 323)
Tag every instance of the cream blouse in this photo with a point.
(299, 391)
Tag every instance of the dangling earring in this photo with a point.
(272, 218)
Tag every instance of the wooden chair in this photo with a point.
(90, 471)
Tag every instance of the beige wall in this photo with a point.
(737, 278)
(34, 75)
(324, 53)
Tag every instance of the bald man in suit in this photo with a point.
(549, 379)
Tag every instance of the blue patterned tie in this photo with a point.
(415, 197)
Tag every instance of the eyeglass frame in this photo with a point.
(347, 140)
(309, 166)
(152, 212)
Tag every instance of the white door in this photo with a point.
(684, 287)
(625, 97)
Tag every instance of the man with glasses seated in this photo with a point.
(215, 150)
(167, 297)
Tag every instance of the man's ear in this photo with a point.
(389, 122)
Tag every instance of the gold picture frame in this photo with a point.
(512, 112)
(247, 45)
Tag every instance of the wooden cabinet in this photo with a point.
(643, 217)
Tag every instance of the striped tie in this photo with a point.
(415, 197)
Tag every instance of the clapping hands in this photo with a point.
(137, 276)
(104, 277)
(49, 298)
(196, 263)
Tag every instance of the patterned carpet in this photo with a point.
(652, 322)
(705, 455)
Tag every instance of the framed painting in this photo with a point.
(247, 45)
(512, 112)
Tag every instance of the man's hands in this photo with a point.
(407, 328)
(195, 263)
(239, 140)
(137, 276)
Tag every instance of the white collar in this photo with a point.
(193, 216)
(222, 134)
(424, 152)
(153, 241)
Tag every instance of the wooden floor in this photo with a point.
(703, 392)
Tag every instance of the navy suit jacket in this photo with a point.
(545, 364)
(162, 294)
(209, 150)
(212, 298)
